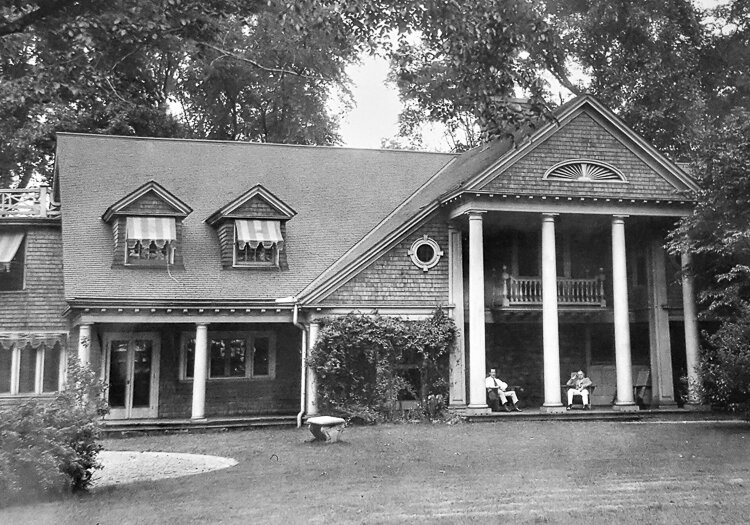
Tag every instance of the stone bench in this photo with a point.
(326, 428)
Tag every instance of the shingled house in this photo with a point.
(196, 272)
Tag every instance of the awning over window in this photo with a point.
(9, 243)
(146, 229)
(255, 232)
(8, 341)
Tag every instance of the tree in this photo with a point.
(718, 233)
(466, 63)
(113, 67)
(223, 96)
(644, 61)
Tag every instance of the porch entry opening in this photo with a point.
(132, 375)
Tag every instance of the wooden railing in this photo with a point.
(527, 291)
(28, 202)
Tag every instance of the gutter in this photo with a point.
(303, 368)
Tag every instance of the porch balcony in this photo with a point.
(513, 291)
(27, 203)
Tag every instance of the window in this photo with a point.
(150, 240)
(257, 242)
(233, 355)
(28, 369)
(425, 253)
(12, 255)
(584, 171)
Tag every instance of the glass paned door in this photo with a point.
(133, 375)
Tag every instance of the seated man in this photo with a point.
(578, 385)
(497, 391)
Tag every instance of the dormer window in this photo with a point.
(257, 242)
(150, 239)
(147, 227)
(252, 230)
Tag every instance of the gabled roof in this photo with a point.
(470, 172)
(325, 186)
(180, 209)
(679, 182)
(256, 192)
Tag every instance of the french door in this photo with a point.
(132, 374)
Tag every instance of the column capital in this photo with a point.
(549, 216)
(475, 214)
(199, 324)
(619, 218)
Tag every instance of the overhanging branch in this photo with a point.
(230, 54)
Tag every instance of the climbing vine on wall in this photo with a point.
(360, 362)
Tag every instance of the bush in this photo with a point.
(48, 447)
(725, 366)
(358, 361)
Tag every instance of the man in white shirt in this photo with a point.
(497, 392)
(578, 385)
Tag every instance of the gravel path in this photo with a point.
(128, 467)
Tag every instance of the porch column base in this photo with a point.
(626, 407)
(552, 409)
(198, 419)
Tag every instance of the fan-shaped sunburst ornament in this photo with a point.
(584, 171)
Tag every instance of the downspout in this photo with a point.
(303, 370)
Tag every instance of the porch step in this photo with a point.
(126, 427)
(596, 414)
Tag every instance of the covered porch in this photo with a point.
(556, 290)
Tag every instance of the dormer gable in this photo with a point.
(256, 203)
(151, 199)
(147, 227)
(252, 230)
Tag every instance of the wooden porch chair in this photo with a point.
(577, 398)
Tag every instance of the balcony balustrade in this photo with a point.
(27, 202)
(527, 291)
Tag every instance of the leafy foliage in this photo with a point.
(357, 358)
(47, 447)
(117, 67)
(718, 232)
(725, 365)
(644, 60)
(466, 64)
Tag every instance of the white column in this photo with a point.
(691, 329)
(457, 367)
(477, 372)
(622, 323)
(311, 401)
(200, 371)
(84, 344)
(550, 331)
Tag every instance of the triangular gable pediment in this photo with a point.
(256, 203)
(149, 199)
(579, 156)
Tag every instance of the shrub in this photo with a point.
(725, 366)
(358, 361)
(49, 446)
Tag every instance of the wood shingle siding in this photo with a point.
(394, 279)
(40, 305)
(582, 138)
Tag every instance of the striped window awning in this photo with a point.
(256, 232)
(147, 229)
(9, 243)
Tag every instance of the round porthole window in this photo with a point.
(425, 253)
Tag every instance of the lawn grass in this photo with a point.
(523, 472)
